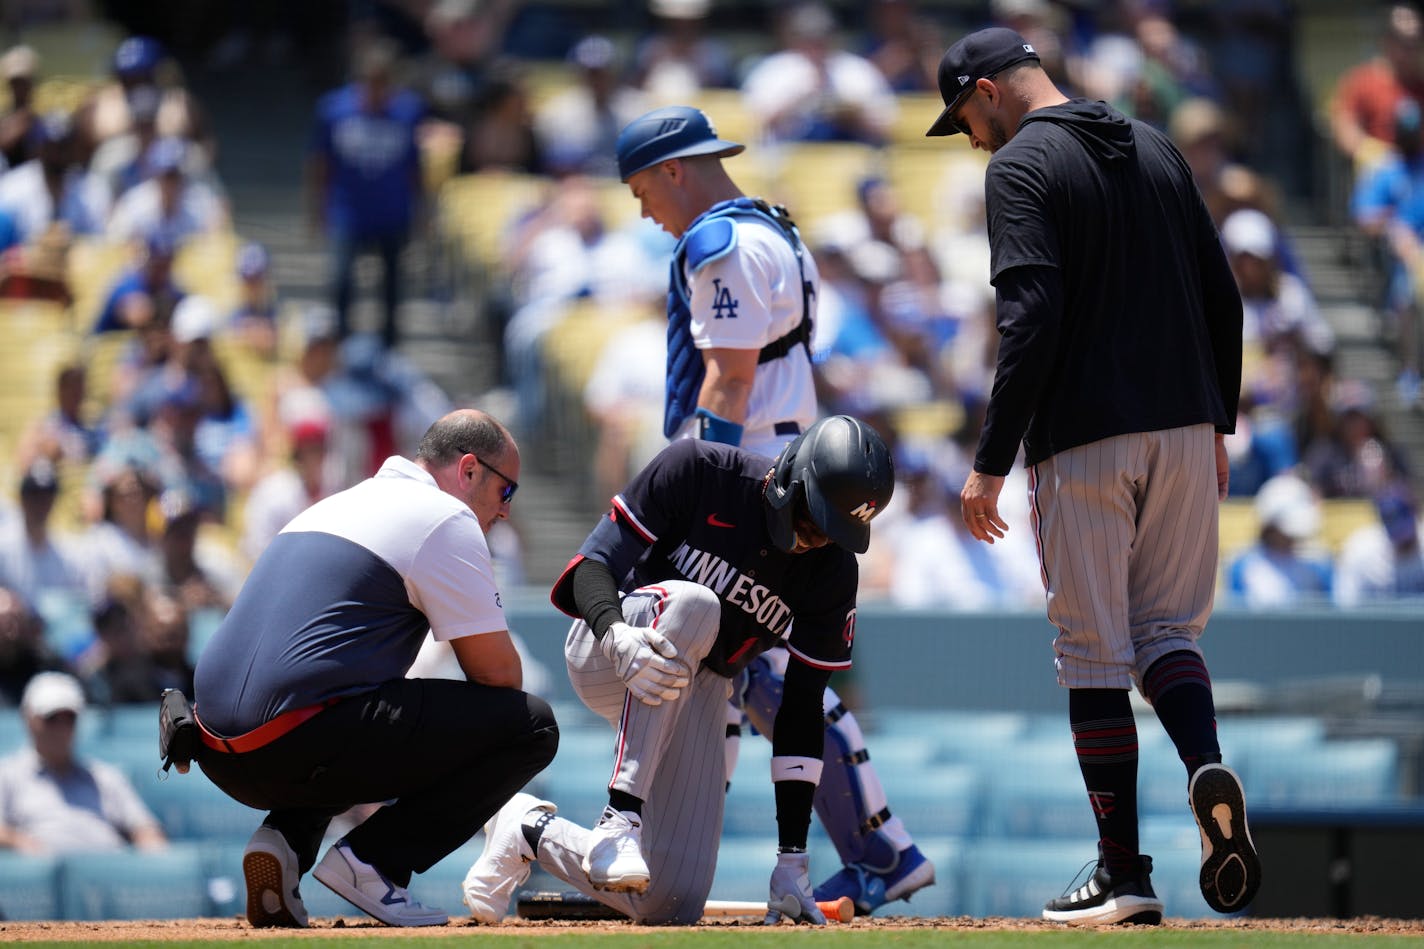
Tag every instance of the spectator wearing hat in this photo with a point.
(19, 123)
(284, 493)
(227, 438)
(167, 200)
(141, 62)
(1388, 206)
(1281, 569)
(145, 293)
(35, 561)
(52, 801)
(813, 89)
(253, 321)
(680, 56)
(364, 179)
(577, 128)
(1358, 458)
(1281, 327)
(1384, 562)
(54, 187)
(937, 563)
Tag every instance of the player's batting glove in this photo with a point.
(791, 892)
(646, 662)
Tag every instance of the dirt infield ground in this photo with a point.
(177, 930)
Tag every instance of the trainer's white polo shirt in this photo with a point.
(339, 602)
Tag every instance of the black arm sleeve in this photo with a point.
(1030, 312)
(799, 732)
(596, 596)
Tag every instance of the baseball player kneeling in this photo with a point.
(663, 626)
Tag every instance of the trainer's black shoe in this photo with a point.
(1230, 868)
(1104, 899)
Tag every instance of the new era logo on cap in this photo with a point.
(979, 55)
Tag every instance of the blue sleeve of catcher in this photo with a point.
(712, 427)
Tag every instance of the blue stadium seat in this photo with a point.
(190, 807)
(1014, 877)
(1161, 781)
(29, 886)
(1242, 735)
(744, 866)
(1036, 790)
(943, 800)
(1358, 772)
(170, 884)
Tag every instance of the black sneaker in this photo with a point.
(1230, 868)
(1104, 899)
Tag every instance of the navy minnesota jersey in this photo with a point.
(696, 513)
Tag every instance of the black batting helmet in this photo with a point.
(842, 471)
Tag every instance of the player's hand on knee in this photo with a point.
(791, 896)
(646, 661)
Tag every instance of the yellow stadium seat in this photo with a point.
(1344, 516)
(917, 112)
(207, 265)
(476, 210)
(729, 115)
(817, 179)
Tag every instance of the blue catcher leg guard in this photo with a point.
(882, 863)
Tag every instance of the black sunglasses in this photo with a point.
(510, 485)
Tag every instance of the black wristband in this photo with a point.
(790, 849)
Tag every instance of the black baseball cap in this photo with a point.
(976, 56)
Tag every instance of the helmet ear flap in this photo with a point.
(783, 489)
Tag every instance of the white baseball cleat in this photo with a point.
(505, 862)
(614, 861)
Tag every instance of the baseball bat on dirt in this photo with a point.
(544, 904)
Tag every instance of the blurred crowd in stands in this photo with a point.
(141, 495)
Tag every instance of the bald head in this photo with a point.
(463, 432)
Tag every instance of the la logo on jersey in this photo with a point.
(723, 304)
(864, 512)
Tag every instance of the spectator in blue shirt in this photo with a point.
(364, 176)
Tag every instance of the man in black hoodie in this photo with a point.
(1119, 369)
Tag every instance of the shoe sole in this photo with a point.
(1123, 910)
(912, 882)
(635, 883)
(359, 900)
(1230, 867)
(266, 903)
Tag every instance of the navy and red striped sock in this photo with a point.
(1179, 688)
(1105, 738)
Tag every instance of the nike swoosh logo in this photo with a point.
(797, 767)
(713, 520)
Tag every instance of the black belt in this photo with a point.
(786, 428)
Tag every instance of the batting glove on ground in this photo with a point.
(791, 892)
(646, 662)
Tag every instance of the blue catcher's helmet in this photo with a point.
(674, 131)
